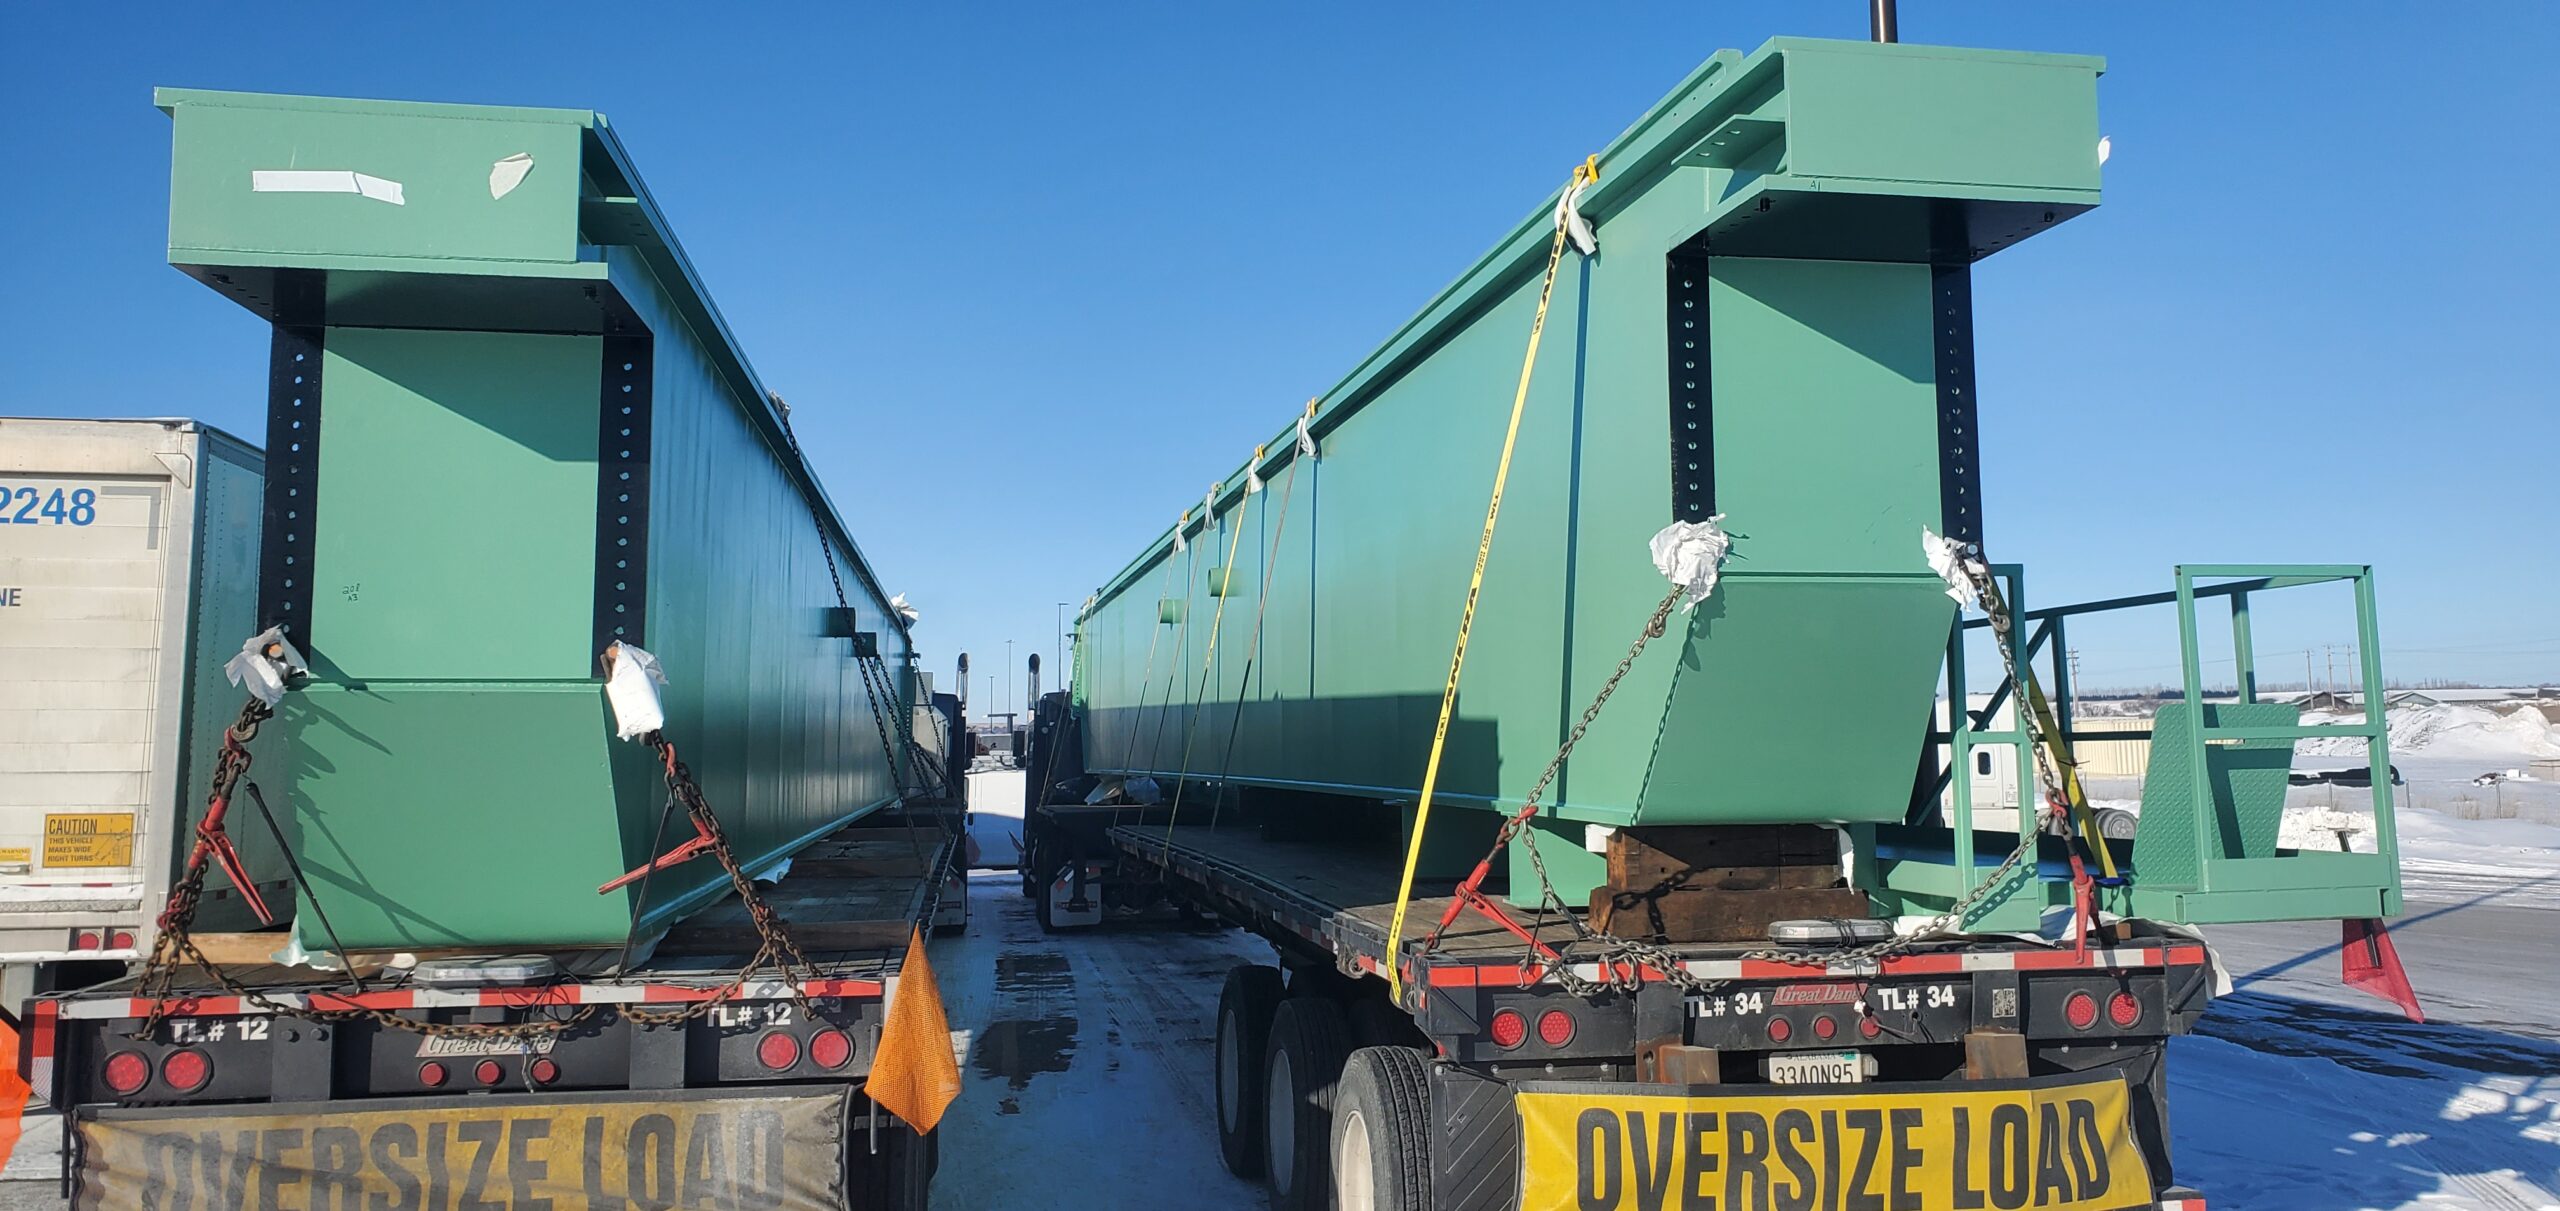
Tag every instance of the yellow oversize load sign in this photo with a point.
(1992, 1146)
(623, 1152)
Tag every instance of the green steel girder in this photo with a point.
(508, 425)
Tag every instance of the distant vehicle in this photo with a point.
(2359, 776)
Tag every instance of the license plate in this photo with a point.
(1818, 1068)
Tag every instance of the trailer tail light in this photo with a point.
(1870, 1027)
(543, 1071)
(1555, 1028)
(1508, 1029)
(830, 1049)
(433, 1075)
(1779, 1030)
(778, 1051)
(1824, 1028)
(123, 939)
(186, 1070)
(487, 1072)
(2124, 1010)
(127, 1072)
(2081, 1010)
(86, 939)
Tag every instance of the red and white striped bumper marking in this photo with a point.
(40, 1049)
(2183, 1204)
(1509, 975)
(430, 998)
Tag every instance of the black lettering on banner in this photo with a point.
(2009, 1156)
(158, 1154)
(337, 1169)
(485, 1136)
(2088, 1150)
(439, 1178)
(592, 1159)
(1653, 1156)
(522, 1169)
(391, 1144)
(1830, 1160)
(764, 1129)
(1798, 1193)
(1746, 1137)
(706, 1163)
(276, 1169)
(653, 1138)
(1596, 1181)
(1968, 1188)
(1702, 1162)
(226, 1171)
(1861, 1195)
(2053, 1181)
(1907, 1159)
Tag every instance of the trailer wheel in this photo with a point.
(1381, 1149)
(1245, 1007)
(1301, 1067)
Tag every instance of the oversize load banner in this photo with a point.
(1969, 1147)
(618, 1152)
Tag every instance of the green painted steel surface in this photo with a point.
(451, 772)
(1817, 184)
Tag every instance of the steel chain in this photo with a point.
(1622, 961)
(157, 983)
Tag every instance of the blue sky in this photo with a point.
(1002, 257)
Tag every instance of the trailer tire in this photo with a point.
(1301, 1068)
(1381, 1143)
(1245, 1006)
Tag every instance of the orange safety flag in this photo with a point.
(2372, 963)
(13, 1092)
(914, 1075)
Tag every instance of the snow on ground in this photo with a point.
(2261, 1130)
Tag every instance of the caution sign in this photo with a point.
(78, 839)
(624, 1152)
(1997, 1146)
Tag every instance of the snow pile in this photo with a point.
(2444, 730)
(2444, 859)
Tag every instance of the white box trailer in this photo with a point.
(128, 575)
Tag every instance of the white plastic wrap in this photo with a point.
(265, 676)
(1947, 558)
(1691, 554)
(631, 682)
(1569, 217)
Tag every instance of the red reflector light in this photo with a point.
(432, 1075)
(186, 1070)
(830, 1049)
(2081, 1010)
(1555, 1028)
(543, 1071)
(127, 1072)
(1824, 1027)
(1870, 1027)
(123, 939)
(1779, 1030)
(487, 1072)
(86, 939)
(1509, 1029)
(2123, 1010)
(778, 1051)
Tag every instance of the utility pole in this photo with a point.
(2075, 670)
(2306, 673)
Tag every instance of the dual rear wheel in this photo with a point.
(1324, 1125)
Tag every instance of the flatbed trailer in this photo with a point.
(1974, 1072)
(235, 1100)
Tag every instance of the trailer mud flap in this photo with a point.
(771, 1151)
(2053, 1142)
